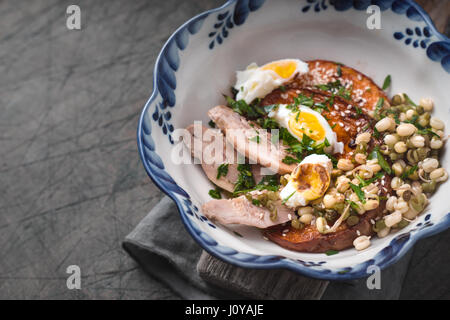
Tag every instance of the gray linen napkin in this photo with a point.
(172, 258)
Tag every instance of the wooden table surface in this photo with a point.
(72, 182)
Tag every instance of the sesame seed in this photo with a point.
(358, 232)
(290, 216)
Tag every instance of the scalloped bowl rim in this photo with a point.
(283, 263)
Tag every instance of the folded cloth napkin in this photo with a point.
(164, 249)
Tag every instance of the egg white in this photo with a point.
(253, 82)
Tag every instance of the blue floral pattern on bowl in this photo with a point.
(159, 111)
(227, 20)
(438, 51)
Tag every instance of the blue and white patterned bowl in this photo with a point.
(198, 63)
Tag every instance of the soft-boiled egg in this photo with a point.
(256, 82)
(309, 181)
(306, 121)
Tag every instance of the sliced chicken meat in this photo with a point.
(252, 141)
(241, 210)
(204, 144)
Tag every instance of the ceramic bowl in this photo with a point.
(198, 63)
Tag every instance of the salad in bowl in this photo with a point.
(291, 135)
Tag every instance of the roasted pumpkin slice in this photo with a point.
(308, 239)
(348, 83)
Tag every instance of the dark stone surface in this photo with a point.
(72, 183)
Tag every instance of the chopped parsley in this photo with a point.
(215, 193)
(352, 204)
(245, 179)
(407, 99)
(251, 111)
(275, 136)
(234, 92)
(269, 182)
(282, 88)
(288, 197)
(376, 154)
(413, 121)
(387, 82)
(359, 192)
(376, 133)
(211, 124)
(290, 160)
(267, 123)
(331, 252)
(222, 170)
(303, 148)
(379, 105)
(303, 100)
(339, 70)
(409, 172)
(427, 131)
(365, 183)
(255, 139)
(336, 88)
(238, 234)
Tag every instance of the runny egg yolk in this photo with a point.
(311, 180)
(283, 68)
(307, 123)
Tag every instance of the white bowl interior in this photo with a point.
(287, 33)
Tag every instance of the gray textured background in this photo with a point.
(72, 185)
